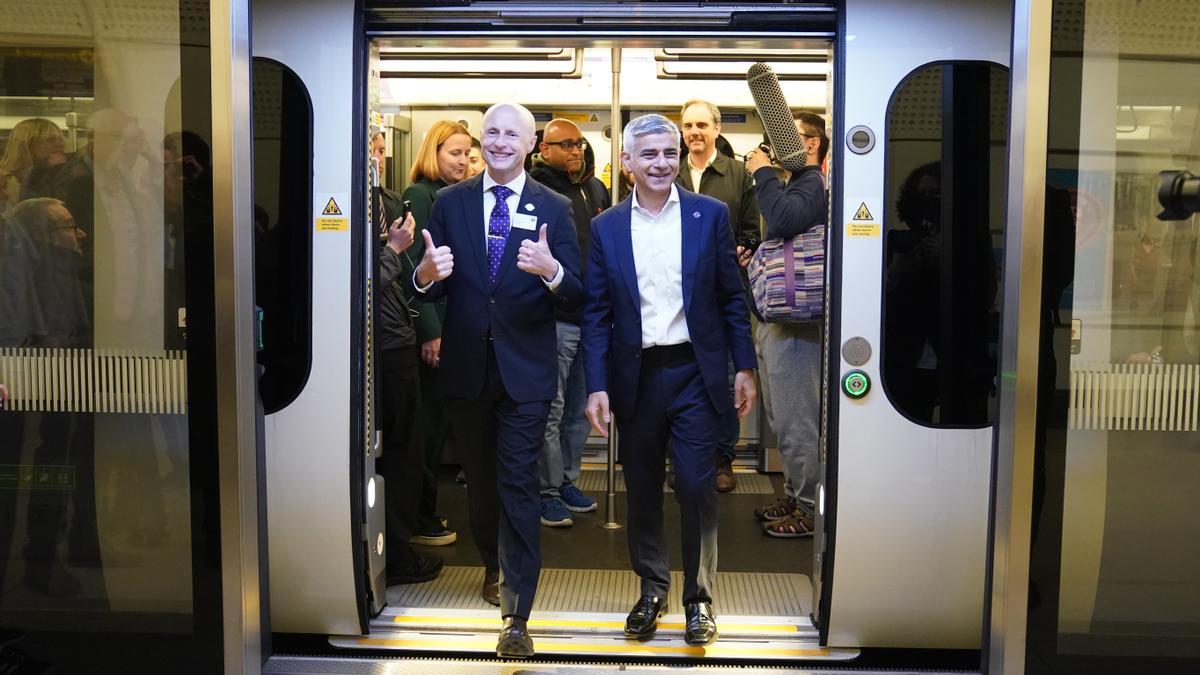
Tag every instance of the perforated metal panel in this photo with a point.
(95, 380)
(141, 20)
(1150, 27)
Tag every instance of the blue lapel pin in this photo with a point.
(695, 214)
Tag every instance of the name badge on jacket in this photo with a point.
(524, 221)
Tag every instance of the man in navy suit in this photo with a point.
(517, 261)
(665, 312)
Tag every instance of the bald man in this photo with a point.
(502, 249)
(562, 166)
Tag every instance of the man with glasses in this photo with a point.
(711, 173)
(563, 167)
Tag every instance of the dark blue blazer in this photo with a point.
(517, 313)
(713, 302)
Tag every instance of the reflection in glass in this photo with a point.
(942, 240)
(283, 230)
(1115, 564)
(101, 186)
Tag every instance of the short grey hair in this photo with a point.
(646, 125)
(522, 111)
(713, 110)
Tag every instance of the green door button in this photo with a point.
(856, 384)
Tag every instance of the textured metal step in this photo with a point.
(615, 645)
(581, 613)
(614, 591)
(748, 483)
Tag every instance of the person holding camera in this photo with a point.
(443, 159)
(711, 173)
(400, 415)
(790, 354)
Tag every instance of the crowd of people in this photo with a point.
(522, 308)
(54, 200)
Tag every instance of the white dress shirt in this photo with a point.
(697, 174)
(658, 261)
(489, 202)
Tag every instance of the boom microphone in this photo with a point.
(776, 117)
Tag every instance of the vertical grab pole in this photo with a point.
(614, 183)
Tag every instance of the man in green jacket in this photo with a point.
(711, 173)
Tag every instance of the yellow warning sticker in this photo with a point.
(593, 118)
(573, 116)
(336, 224)
(854, 229)
(863, 213)
(330, 217)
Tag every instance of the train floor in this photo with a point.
(762, 597)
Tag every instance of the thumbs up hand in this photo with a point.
(535, 257)
(436, 264)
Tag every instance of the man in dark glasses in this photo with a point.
(563, 166)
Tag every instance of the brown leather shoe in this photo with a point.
(726, 481)
(491, 587)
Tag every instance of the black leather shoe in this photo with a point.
(416, 568)
(701, 623)
(514, 642)
(643, 618)
(491, 587)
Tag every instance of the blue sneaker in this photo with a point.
(554, 514)
(575, 500)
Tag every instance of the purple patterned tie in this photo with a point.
(498, 227)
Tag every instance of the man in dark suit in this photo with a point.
(665, 313)
(517, 262)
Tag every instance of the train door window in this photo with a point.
(943, 232)
(283, 179)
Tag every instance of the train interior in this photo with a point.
(764, 589)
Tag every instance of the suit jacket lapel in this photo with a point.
(689, 221)
(475, 224)
(623, 247)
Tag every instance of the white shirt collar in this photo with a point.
(712, 154)
(516, 185)
(671, 198)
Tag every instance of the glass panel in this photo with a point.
(943, 232)
(106, 202)
(283, 185)
(1115, 565)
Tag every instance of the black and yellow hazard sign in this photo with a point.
(863, 223)
(332, 218)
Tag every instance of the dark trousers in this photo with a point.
(499, 441)
(673, 410)
(402, 461)
(433, 407)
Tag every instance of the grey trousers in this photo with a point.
(567, 427)
(789, 361)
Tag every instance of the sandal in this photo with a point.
(776, 510)
(798, 524)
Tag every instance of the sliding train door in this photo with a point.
(128, 514)
(313, 275)
(918, 192)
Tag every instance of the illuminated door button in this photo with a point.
(856, 384)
